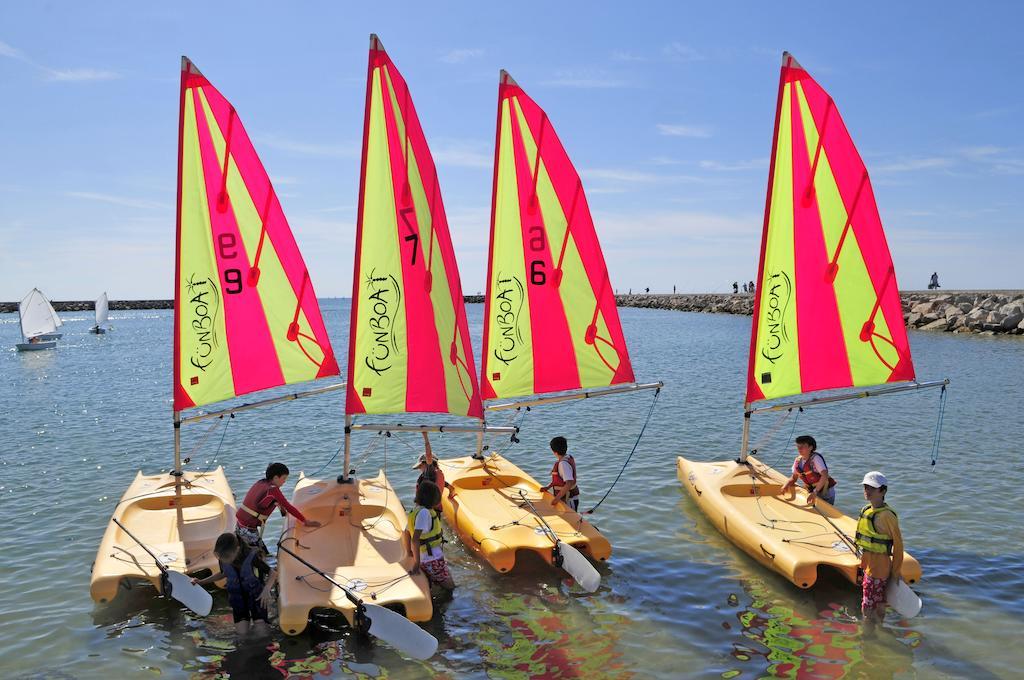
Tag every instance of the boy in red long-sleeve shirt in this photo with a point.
(259, 503)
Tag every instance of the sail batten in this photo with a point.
(409, 348)
(550, 320)
(827, 312)
(246, 316)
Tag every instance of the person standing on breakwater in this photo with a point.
(735, 287)
(810, 467)
(934, 283)
(259, 503)
(881, 544)
(750, 286)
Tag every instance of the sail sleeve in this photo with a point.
(409, 347)
(827, 312)
(550, 320)
(246, 316)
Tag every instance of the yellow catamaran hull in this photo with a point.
(781, 532)
(491, 518)
(360, 545)
(181, 529)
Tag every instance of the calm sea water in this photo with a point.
(677, 599)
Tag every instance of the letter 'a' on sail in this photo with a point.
(246, 317)
(409, 346)
(550, 320)
(827, 312)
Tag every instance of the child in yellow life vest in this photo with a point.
(881, 544)
(426, 538)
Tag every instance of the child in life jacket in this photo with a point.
(811, 468)
(881, 545)
(430, 471)
(249, 583)
(259, 503)
(425, 537)
(563, 475)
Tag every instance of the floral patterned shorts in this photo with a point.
(873, 593)
(436, 571)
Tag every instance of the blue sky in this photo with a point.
(666, 109)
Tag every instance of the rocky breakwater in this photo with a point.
(985, 312)
(965, 312)
(89, 305)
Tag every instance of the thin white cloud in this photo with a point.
(67, 75)
(734, 166)
(995, 158)
(459, 56)
(914, 164)
(634, 176)
(78, 75)
(676, 51)
(585, 79)
(118, 200)
(693, 131)
(624, 55)
(302, 148)
(462, 154)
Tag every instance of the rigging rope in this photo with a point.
(938, 426)
(640, 436)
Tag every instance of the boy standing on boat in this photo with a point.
(430, 471)
(810, 467)
(426, 537)
(249, 583)
(259, 503)
(563, 475)
(881, 545)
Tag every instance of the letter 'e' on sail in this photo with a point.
(550, 321)
(827, 312)
(409, 347)
(246, 317)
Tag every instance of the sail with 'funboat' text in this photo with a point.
(550, 320)
(409, 346)
(246, 316)
(827, 313)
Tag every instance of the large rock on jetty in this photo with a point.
(967, 311)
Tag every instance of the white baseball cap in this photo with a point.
(875, 479)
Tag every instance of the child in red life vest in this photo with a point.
(563, 475)
(426, 538)
(430, 471)
(259, 503)
(810, 467)
(249, 583)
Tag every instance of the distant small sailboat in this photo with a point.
(827, 315)
(551, 334)
(101, 315)
(246, 318)
(39, 323)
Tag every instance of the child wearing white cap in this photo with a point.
(881, 544)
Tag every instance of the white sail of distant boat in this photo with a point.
(38, 322)
(101, 315)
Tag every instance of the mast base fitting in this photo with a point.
(346, 479)
(177, 473)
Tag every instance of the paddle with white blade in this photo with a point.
(898, 594)
(177, 585)
(380, 622)
(568, 557)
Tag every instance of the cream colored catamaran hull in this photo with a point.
(361, 545)
(780, 531)
(492, 519)
(181, 528)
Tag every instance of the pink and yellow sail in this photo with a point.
(827, 313)
(550, 320)
(409, 347)
(246, 316)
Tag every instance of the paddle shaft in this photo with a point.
(348, 593)
(142, 545)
